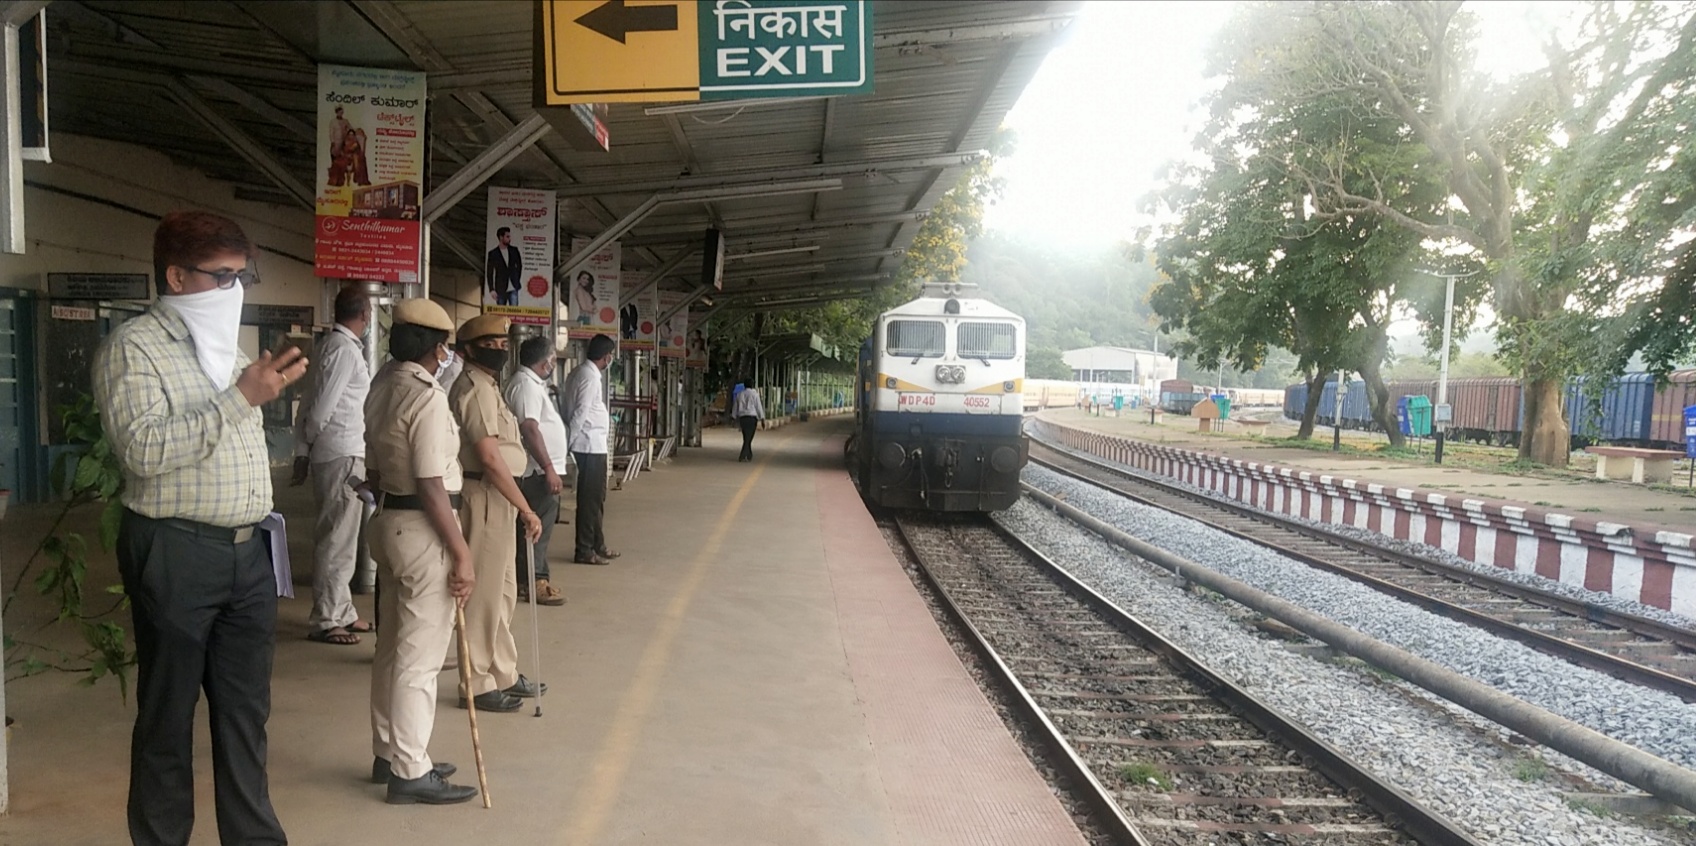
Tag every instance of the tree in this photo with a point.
(1253, 265)
(1534, 165)
(1046, 363)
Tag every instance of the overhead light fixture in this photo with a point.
(782, 271)
(725, 105)
(810, 248)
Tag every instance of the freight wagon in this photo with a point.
(1490, 410)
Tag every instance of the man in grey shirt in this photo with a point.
(331, 438)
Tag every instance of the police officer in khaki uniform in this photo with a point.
(411, 456)
(490, 451)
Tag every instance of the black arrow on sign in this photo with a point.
(614, 20)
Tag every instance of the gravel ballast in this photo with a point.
(1475, 781)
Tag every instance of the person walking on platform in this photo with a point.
(586, 436)
(545, 440)
(331, 440)
(413, 450)
(489, 449)
(749, 412)
(180, 403)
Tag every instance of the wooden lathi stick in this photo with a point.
(470, 702)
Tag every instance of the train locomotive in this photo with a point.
(940, 403)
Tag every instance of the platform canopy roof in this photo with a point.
(230, 88)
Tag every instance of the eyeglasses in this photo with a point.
(226, 279)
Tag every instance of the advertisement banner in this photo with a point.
(697, 358)
(673, 333)
(636, 318)
(370, 173)
(591, 294)
(518, 262)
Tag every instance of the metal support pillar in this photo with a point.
(486, 164)
(1337, 414)
(12, 15)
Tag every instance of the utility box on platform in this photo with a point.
(1413, 413)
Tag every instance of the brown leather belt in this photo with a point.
(413, 502)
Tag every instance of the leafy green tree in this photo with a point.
(1541, 168)
(1253, 265)
(1046, 363)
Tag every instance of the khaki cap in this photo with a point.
(483, 326)
(422, 312)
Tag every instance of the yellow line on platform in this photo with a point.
(612, 762)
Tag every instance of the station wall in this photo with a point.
(93, 209)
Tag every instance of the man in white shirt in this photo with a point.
(330, 436)
(587, 439)
(544, 437)
(748, 411)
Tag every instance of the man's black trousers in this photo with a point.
(205, 612)
(591, 503)
(750, 424)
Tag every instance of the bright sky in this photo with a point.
(1120, 98)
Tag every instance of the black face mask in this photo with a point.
(488, 357)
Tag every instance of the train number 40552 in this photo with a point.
(977, 402)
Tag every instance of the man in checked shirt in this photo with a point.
(180, 403)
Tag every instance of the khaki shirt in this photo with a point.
(409, 432)
(482, 413)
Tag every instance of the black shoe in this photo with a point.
(432, 789)
(498, 701)
(592, 558)
(380, 771)
(523, 687)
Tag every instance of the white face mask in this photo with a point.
(214, 323)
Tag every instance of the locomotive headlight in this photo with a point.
(950, 374)
(891, 455)
(1007, 386)
(889, 382)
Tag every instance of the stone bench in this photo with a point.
(1643, 466)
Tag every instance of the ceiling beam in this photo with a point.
(864, 167)
(798, 228)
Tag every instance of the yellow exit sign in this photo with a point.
(599, 51)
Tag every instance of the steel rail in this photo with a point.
(1576, 653)
(1400, 811)
(1106, 810)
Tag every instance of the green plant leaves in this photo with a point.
(97, 477)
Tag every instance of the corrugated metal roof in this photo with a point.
(945, 75)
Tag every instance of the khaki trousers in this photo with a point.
(488, 520)
(417, 612)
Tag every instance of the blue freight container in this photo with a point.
(1295, 400)
(1624, 414)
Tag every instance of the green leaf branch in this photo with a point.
(96, 478)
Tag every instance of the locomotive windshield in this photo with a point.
(916, 338)
(988, 340)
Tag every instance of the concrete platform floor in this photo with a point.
(756, 669)
(1620, 502)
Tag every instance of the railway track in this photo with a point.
(1635, 649)
(1164, 751)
